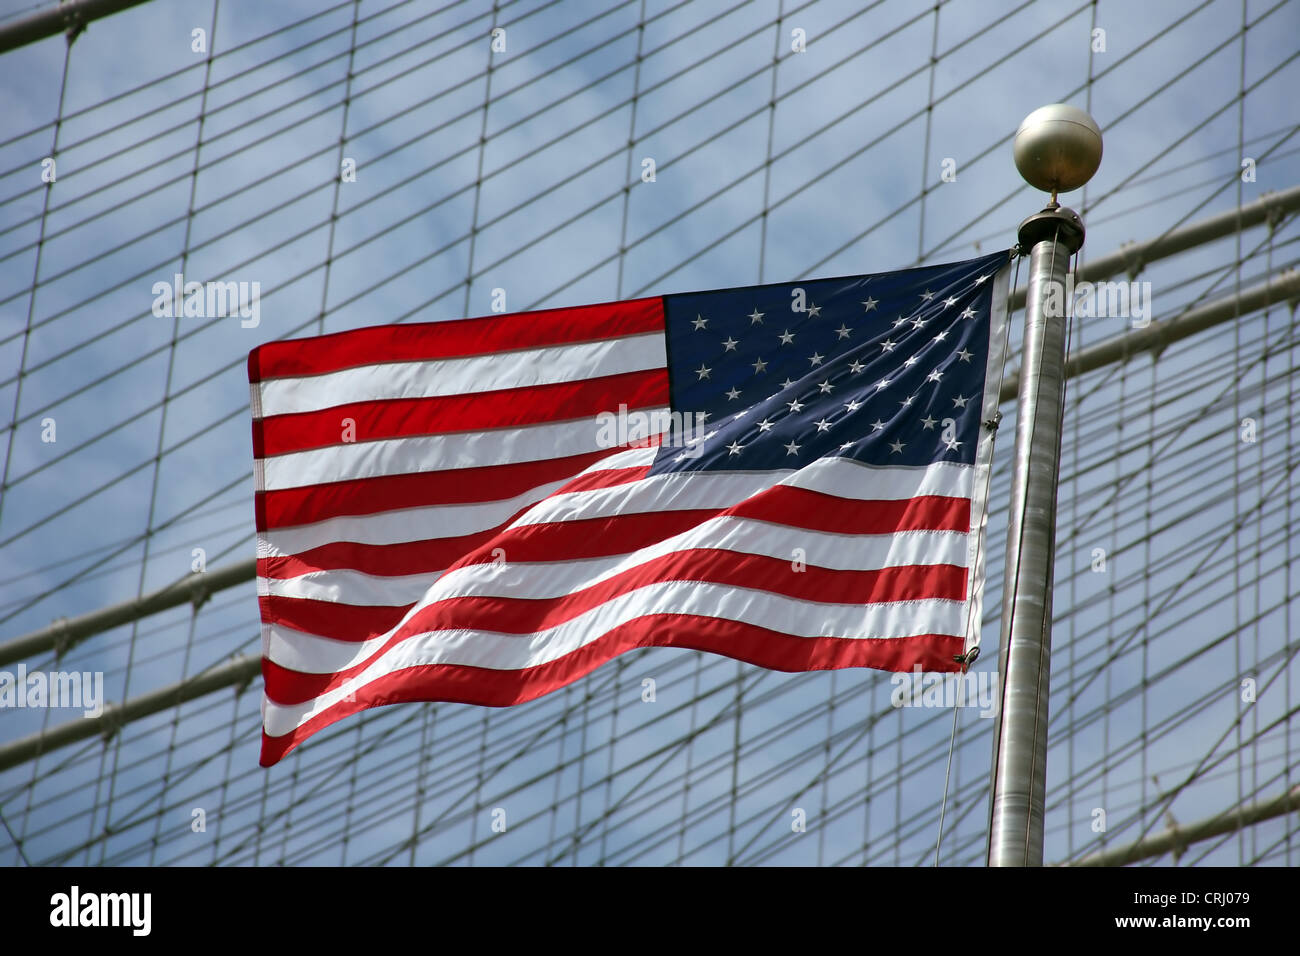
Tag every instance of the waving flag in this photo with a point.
(485, 510)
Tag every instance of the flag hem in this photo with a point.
(996, 357)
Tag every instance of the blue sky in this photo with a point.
(843, 176)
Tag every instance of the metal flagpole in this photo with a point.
(1057, 149)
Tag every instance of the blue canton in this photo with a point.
(886, 369)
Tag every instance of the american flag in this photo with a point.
(471, 511)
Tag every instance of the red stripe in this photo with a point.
(437, 340)
(604, 478)
(580, 538)
(746, 642)
(384, 560)
(524, 616)
(426, 556)
(290, 507)
(818, 511)
(526, 544)
(341, 622)
(504, 408)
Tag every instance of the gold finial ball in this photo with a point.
(1057, 148)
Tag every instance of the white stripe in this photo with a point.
(537, 580)
(465, 376)
(654, 493)
(354, 588)
(514, 652)
(846, 478)
(684, 491)
(420, 453)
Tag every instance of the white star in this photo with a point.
(941, 336)
(960, 402)
(896, 447)
(928, 422)
(795, 406)
(702, 417)
(952, 444)
(733, 393)
(968, 313)
(918, 322)
(730, 344)
(764, 425)
(949, 302)
(826, 387)
(901, 320)
(788, 382)
(856, 366)
(734, 448)
(883, 383)
(868, 304)
(980, 280)
(910, 361)
(964, 356)
(699, 322)
(927, 295)
(739, 415)
(854, 405)
(934, 376)
(791, 449)
(760, 366)
(843, 331)
(908, 401)
(822, 425)
(887, 345)
(786, 337)
(878, 425)
(814, 311)
(816, 358)
(756, 317)
(703, 372)
(846, 446)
